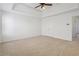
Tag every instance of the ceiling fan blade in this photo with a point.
(48, 4)
(42, 6)
(37, 6)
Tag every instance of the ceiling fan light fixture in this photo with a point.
(43, 8)
(43, 5)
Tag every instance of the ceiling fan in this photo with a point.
(42, 5)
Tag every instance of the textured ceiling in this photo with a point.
(33, 5)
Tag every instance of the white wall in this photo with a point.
(55, 25)
(24, 22)
(19, 21)
(0, 26)
(16, 26)
(75, 26)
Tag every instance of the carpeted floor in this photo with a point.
(40, 46)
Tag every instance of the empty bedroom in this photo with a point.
(39, 29)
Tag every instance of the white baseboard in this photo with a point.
(18, 39)
(31, 37)
(57, 37)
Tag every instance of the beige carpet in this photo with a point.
(40, 46)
